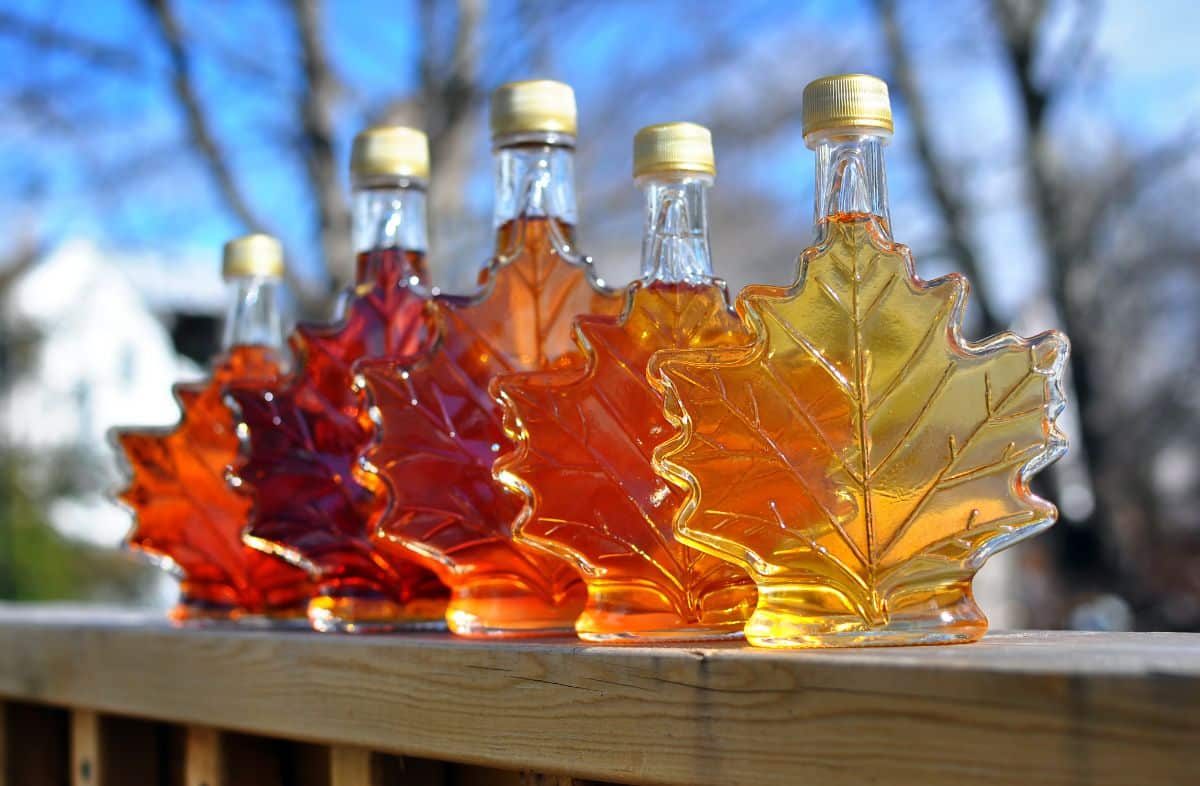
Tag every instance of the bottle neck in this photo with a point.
(388, 214)
(535, 177)
(851, 178)
(675, 247)
(253, 317)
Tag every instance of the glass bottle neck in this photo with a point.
(389, 214)
(253, 317)
(675, 247)
(851, 178)
(535, 177)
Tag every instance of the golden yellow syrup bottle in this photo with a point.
(188, 519)
(584, 438)
(440, 430)
(860, 458)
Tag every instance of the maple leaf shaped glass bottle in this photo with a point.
(860, 458)
(187, 518)
(303, 438)
(584, 438)
(440, 431)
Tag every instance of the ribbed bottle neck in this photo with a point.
(535, 177)
(675, 245)
(851, 176)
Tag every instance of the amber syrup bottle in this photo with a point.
(584, 438)
(187, 518)
(859, 458)
(440, 429)
(303, 439)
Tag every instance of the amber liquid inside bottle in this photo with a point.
(585, 441)
(860, 459)
(441, 431)
(189, 517)
(304, 444)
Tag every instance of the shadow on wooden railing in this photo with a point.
(102, 698)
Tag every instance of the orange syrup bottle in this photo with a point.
(440, 430)
(585, 437)
(303, 438)
(859, 458)
(187, 518)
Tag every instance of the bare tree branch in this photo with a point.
(17, 260)
(317, 106)
(50, 38)
(1128, 183)
(941, 182)
(202, 137)
(448, 86)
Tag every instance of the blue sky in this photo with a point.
(114, 171)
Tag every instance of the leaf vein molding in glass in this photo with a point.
(441, 432)
(860, 458)
(584, 438)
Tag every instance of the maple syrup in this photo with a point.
(188, 519)
(304, 438)
(585, 437)
(860, 458)
(440, 430)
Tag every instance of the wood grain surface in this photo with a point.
(1017, 708)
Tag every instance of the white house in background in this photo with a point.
(103, 359)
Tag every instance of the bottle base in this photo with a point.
(356, 614)
(618, 613)
(190, 614)
(789, 619)
(207, 604)
(723, 633)
(491, 610)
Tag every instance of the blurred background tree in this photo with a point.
(1042, 148)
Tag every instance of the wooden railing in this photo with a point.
(96, 698)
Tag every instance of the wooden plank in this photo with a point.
(354, 766)
(350, 766)
(85, 749)
(204, 763)
(1049, 708)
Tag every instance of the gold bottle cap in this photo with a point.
(847, 101)
(252, 255)
(673, 147)
(532, 106)
(390, 151)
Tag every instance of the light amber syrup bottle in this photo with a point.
(584, 438)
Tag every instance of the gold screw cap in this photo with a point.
(847, 101)
(390, 151)
(673, 147)
(536, 105)
(252, 255)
